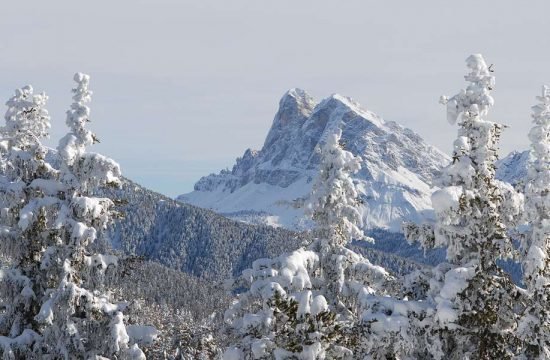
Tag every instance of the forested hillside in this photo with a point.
(188, 238)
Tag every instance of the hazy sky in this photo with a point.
(181, 88)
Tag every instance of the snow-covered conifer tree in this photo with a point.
(333, 199)
(535, 323)
(537, 199)
(305, 304)
(473, 298)
(27, 122)
(467, 207)
(333, 206)
(53, 286)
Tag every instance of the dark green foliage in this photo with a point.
(295, 331)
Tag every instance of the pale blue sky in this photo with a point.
(184, 87)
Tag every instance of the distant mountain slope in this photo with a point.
(185, 237)
(267, 186)
(199, 241)
(513, 168)
(190, 239)
(205, 244)
(138, 278)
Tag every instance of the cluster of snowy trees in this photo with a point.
(184, 310)
(65, 295)
(327, 301)
(63, 292)
(52, 302)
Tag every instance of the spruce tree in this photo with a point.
(333, 206)
(305, 304)
(535, 322)
(23, 217)
(474, 299)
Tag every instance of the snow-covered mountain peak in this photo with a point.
(340, 103)
(268, 185)
(295, 106)
(299, 99)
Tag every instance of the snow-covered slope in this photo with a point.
(513, 168)
(268, 186)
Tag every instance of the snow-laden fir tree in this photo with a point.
(53, 306)
(305, 304)
(377, 326)
(22, 161)
(535, 324)
(472, 207)
(333, 206)
(474, 299)
(333, 199)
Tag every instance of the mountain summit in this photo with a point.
(270, 185)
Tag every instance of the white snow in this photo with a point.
(24, 340)
(135, 353)
(101, 261)
(304, 302)
(142, 334)
(118, 332)
(233, 353)
(446, 199)
(318, 305)
(456, 280)
(48, 187)
(45, 314)
(259, 348)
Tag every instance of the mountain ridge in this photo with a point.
(398, 166)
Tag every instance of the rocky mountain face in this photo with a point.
(268, 186)
(513, 168)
